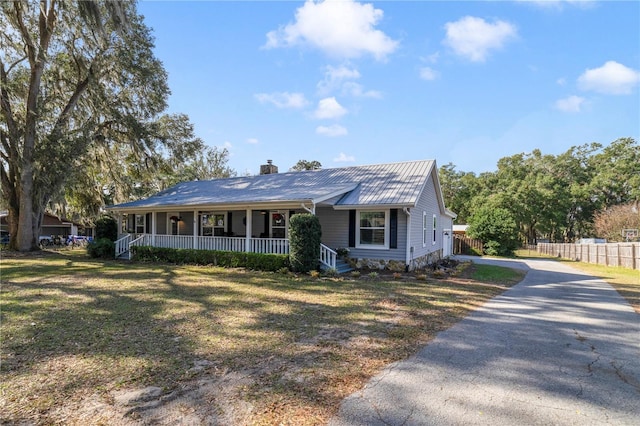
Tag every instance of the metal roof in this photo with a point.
(397, 184)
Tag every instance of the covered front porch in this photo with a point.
(265, 231)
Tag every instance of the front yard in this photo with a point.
(108, 342)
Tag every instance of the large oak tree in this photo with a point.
(73, 76)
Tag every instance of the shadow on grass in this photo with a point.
(73, 327)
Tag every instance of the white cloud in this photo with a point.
(344, 158)
(334, 78)
(612, 79)
(227, 145)
(283, 99)
(344, 29)
(474, 38)
(570, 104)
(252, 141)
(340, 79)
(427, 73)
(561, 81)
(331, 131)
(329, 108)
(355, 89)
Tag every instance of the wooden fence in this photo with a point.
(626, 255)
(465, 245)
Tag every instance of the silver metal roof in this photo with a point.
(398, 184)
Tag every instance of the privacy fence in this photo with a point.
(465, 245)
(626, 255)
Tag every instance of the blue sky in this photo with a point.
(352, 83)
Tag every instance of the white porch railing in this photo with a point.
(222, 243)
(328, 257)
(270, 245)
(122, 245)
(256, 245)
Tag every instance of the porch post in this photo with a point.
(120, 230)
(248, 230)
(195, 229)
(153, 228)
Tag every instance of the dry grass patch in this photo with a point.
(98, 342)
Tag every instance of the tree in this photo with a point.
(497, 229)
(458, 189)
(611, 222)
(115, 174)
(306, 165)
(72, 75)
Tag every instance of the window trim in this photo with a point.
(425, 228)
(387, 228)
(214, 226)
(435, 228)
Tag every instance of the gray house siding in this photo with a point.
(427, 204)
(335, 234)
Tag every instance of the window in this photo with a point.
(425, 229)
(278, 225)
(435, 226)
(373, 229)
(213, 224)
(140, 222)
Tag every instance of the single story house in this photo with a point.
(387, 215)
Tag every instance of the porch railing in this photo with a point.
(122, 245)
(256, 245)
(328, 257)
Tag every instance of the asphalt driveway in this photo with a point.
(559, 348)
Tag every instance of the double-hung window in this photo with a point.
(435, 226)
(425, 229)
(140, 224)
(213, 224)
(373, 229)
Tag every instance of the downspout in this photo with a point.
(313, 207)
(408, 254)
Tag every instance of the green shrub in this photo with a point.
(304, 242)
(107, 227)
(225, 259)
(102, 248)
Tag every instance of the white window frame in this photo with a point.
(144, 224)
(435, 228)
(214, 226)
(384, 246)
(284, 226)
(425, 228)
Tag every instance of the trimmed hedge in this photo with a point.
(225, 259)
(305, 235)
(102, 248)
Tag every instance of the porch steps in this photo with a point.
(124, 256)
(343, 267)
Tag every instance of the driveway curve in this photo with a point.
(559, 348)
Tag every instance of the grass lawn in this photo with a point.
(219, 346)
(625, 281)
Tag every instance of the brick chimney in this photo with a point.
(268, 169)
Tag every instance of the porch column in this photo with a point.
(195, 229)
(153, 228)
(119, 219)
(248, 230)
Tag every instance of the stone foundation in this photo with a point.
(396, 265)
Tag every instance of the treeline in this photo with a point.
(559, 198)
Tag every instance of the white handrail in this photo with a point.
(122, 245)
(328, 256)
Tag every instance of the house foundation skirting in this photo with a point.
(421, 262)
